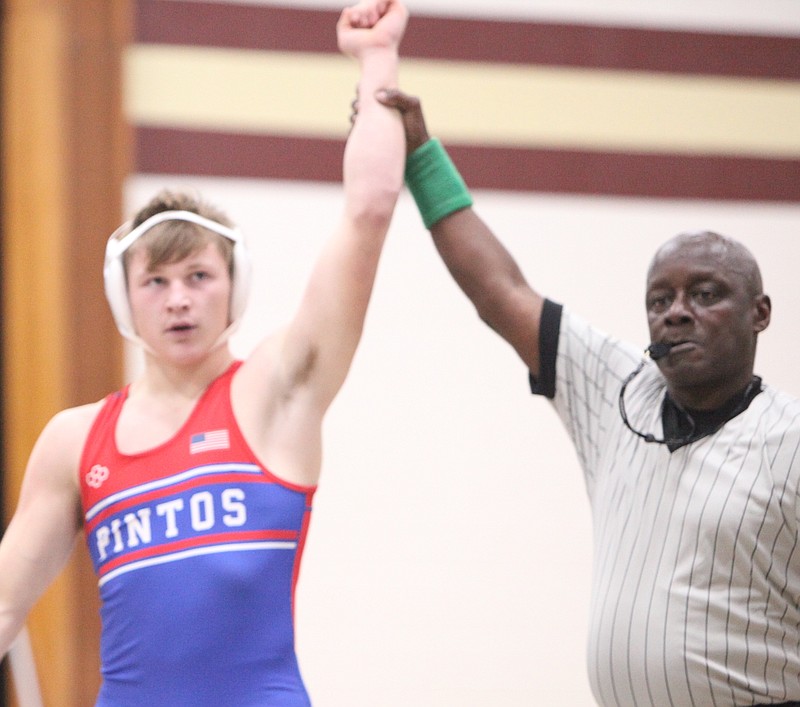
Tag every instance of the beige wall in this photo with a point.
(449, 557)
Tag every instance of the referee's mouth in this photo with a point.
(677, 347)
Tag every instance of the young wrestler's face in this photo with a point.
(180, 309)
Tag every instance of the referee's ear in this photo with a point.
(763, 311)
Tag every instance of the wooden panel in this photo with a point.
(64, 158)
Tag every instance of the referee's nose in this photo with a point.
(679, 311)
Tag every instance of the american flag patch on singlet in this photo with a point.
(206, 441)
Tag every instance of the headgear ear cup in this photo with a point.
(114, 270)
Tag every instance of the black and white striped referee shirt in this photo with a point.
(696, 578)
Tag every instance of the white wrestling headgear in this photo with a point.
(116, 284)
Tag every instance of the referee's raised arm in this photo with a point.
(480, 264)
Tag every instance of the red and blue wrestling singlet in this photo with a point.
(197, 549)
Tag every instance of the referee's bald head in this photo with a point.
(733, 255)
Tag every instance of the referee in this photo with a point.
(692, 463)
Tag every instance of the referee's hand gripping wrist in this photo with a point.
(431, 176)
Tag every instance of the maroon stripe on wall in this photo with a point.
(630, 174)
(550, 44)
(220, 154)
(168, 151)
(235, 26)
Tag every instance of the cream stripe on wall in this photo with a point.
(529, 106)
(237, 90)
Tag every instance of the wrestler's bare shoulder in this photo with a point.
(55, 457)
(70, 426)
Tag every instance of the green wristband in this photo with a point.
(434, 182)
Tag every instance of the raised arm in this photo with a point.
(321, 340)
(477, 260)
(42, 532)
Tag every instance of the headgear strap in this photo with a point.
(116, 282)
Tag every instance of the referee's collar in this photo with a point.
(683, 426)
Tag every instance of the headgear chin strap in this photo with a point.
(116, 283)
